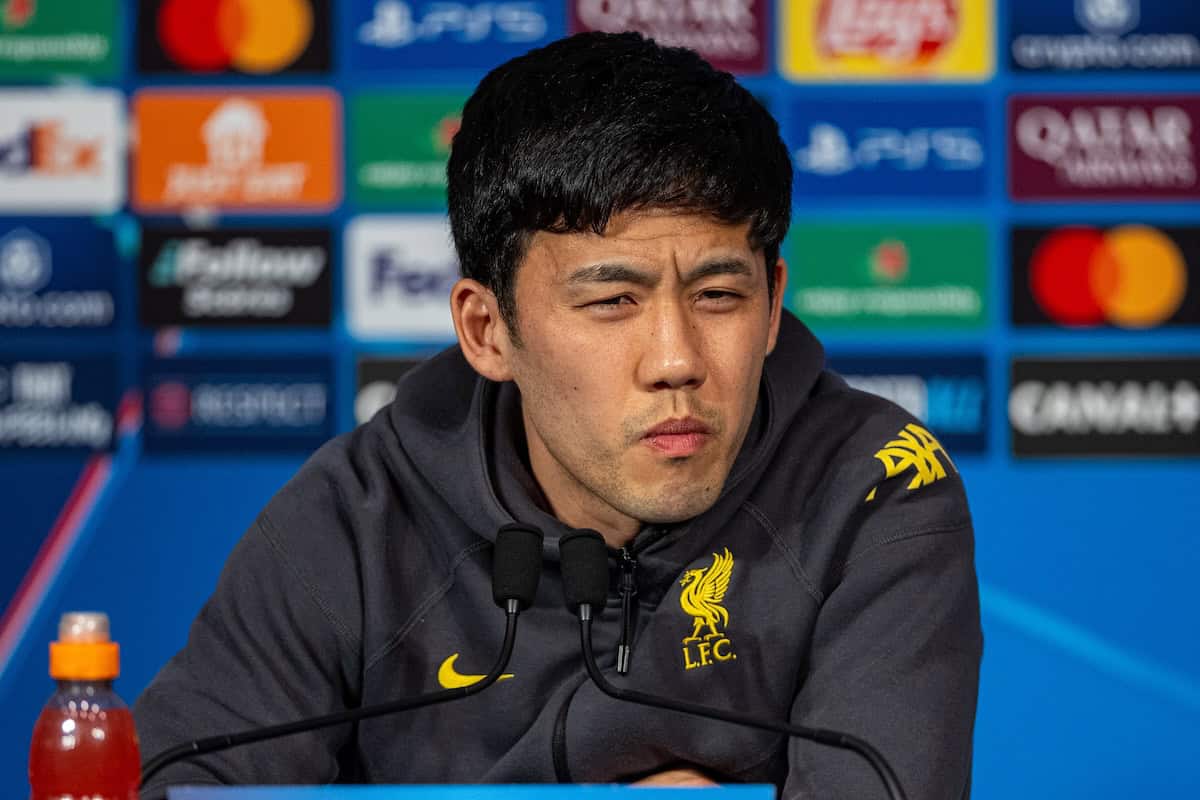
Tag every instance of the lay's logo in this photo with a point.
(887, 39)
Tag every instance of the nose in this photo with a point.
(673, 356)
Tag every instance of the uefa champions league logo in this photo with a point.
(1108, 17)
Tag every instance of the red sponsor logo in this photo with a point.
(730, 34)
(1136, 147)
(899, 31)
(249, 35)
(889, 260)
(17, 13)
(1132, 276)
(171, 405)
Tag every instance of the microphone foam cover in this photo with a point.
(584, 558)
(516, 564)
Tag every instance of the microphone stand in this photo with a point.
(824, 736)
(213, 743)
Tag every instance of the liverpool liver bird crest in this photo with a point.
(703, 591)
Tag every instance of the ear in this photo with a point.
(481, 331)
(777, 303)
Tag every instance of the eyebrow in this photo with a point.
(623, 273)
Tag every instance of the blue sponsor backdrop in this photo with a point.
(948, 393)
(1142, 35)
(420, 35)
(54, 404)
(57, 275)
(932, 148)
(1091, 681)
(237, 405)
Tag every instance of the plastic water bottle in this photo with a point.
(84, 743)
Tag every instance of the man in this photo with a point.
(786, 546)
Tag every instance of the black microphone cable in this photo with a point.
(516, 567)
(584, 560)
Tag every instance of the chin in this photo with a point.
(681, 506)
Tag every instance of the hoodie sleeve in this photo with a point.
(897, 643)
(268, 647)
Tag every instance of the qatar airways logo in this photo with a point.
(1104, 147)
(728, 33)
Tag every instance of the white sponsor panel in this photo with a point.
(399, 270)
(62, 151)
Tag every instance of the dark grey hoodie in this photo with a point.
(832, 583)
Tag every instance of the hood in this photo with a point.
(464, 435)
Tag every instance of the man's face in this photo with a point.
(639, 364)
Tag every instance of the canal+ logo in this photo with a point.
(250, 36)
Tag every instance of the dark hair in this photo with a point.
(564, 137)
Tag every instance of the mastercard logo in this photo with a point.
(1132, 276)
(254, 36)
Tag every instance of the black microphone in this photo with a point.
(584, 560)
(516, 567)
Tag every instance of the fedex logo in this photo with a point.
(61, 151)
(47, 148)
(400, 270)
(389, 272)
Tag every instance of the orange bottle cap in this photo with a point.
(84, 651)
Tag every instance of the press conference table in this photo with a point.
(468, 792)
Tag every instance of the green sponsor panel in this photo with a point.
(399, 144)
(881, 275)
(43, 38)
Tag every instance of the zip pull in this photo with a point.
(628, 606)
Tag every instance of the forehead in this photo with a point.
(650, 239)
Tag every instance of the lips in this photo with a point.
(677, 438)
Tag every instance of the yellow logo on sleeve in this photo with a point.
(450, 678)
(917, 450)
(701, 598)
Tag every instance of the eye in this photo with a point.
(718, 298)
(612, 302)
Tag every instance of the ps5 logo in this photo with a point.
(395, 25)
(830, 152)
(1108, 17)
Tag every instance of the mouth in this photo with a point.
(678, 438)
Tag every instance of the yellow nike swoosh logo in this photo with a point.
(450, 678)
